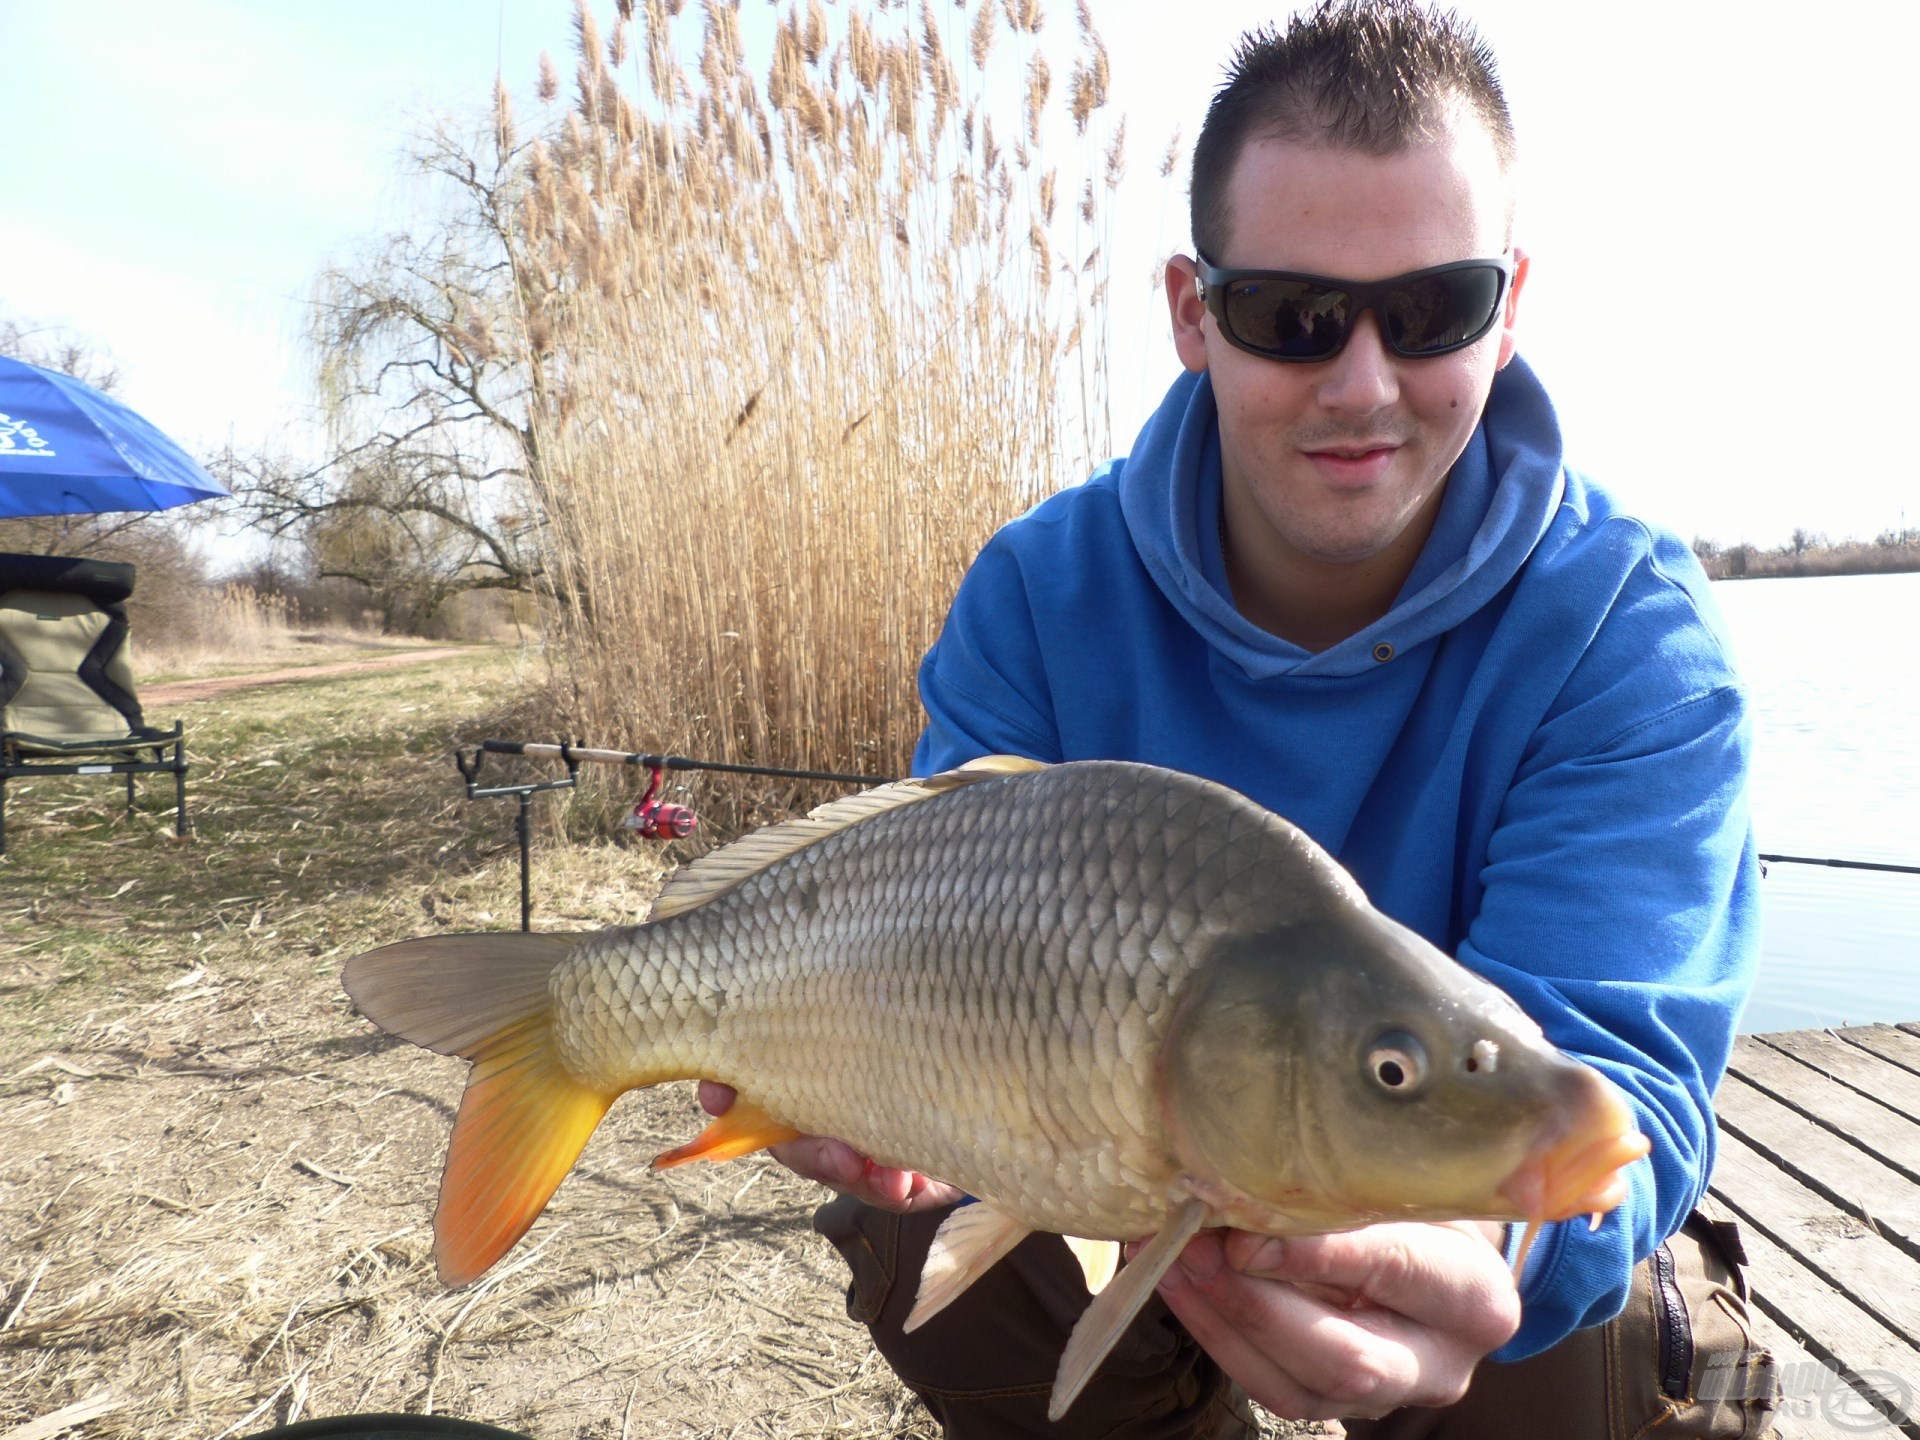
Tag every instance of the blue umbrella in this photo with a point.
(66, 449)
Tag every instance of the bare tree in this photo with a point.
(428, 368)
(52, 347)
(1804, 540)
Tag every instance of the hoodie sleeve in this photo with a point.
(1620, 909)
(983, 683)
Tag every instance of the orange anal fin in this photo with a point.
(744, 1129)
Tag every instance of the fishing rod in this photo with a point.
(653, 818)
(1842, 864)
(563, 751)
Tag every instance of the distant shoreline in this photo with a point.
(1807, 555)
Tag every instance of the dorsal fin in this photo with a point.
(713, 875)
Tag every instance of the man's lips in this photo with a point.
(1353, 464)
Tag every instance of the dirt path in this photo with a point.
(183, 690)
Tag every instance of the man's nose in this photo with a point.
(1362, 378)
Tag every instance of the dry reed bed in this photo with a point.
(818, 332)
(238, 628)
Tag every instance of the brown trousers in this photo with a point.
(1680, 1358)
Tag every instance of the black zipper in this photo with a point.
(1676, 1336)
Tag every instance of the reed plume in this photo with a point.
(801, 375)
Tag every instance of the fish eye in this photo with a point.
(1397, 1063)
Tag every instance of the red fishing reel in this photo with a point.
(654, 819)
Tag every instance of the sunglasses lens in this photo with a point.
(1288, 319)
(1441, 312)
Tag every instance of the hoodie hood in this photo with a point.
(1501, 494)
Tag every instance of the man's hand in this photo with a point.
(1358, 1324)
(836, 1164)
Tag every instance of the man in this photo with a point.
(1346, 572)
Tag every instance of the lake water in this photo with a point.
(1834, 665)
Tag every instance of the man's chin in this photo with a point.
(1344, 549)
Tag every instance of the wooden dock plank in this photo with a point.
(1851, 1064)
(1822, 1320)
(1845, 1174)
(1812, 1393)
(1874, 1275)
(1890, 1042)
(1815, 1397)
(1891, 1135)
(1820, 1161)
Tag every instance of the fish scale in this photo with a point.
(993, 958)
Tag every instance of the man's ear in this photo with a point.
(1189, 312)
(1507, 321)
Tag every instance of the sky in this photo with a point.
(1715, 198)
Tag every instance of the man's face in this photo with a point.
(1335, 461)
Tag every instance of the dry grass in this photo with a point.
(821, 332)
(237, 628)
(247, 1243)
(215, 1181)
(1893, 553)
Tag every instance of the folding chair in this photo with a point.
(67, 705)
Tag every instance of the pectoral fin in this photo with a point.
(744, 1129)
(1098, 1260)
(1113, 1309)
(969, 1242)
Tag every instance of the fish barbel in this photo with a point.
(1106, 999)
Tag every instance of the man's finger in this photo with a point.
(715, 1098)
(1292, 1353)
(830, 1162)
(1440, 1275)
(889, 1187)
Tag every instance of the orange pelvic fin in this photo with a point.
(744, 1129)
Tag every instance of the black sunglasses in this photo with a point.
(1304, 318)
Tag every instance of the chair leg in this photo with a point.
(3, 814)
(180, 825)
(129, 792)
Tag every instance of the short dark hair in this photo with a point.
(1375, 76)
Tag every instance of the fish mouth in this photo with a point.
(1579, 1171)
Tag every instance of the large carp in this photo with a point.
(1109, 1000)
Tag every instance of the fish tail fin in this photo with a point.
(524, 1118)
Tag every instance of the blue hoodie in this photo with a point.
(1537, 759)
